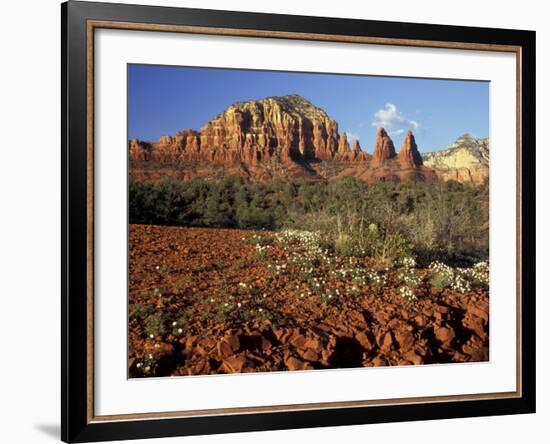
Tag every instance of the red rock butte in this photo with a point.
(409, 157)
(277, 137)
(383, 148)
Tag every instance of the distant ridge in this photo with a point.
(465, 160)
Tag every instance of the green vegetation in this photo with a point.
(440, 281)
(179, 326)
(154, 325)
(140, 311)
(444, 221)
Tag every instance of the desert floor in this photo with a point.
(208, 301)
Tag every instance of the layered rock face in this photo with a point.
(466, 160)
(383, 148)
(357, 154)
(409, 157)
(288, 137)
(185, 145)
(140, 151)
(289, 128)
(387, 165)
(343, 147)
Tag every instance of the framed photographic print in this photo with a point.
(276, 221)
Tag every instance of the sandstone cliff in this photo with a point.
(466, 160)
(273, 137)
(289, 128)
(409, 157)
(387, 165)
(383, 148)
(288, 137)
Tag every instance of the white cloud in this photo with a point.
(393, 120)
(397, 132)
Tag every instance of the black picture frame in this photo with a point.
(76, 423)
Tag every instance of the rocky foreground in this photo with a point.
(209, 301)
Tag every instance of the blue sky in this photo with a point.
(166, 99)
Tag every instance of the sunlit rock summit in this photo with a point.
(284, 137)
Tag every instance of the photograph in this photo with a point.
(286, 221)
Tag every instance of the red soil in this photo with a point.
(234, 312)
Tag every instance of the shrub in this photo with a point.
(410, 277)
(377, 280)
(444, 276)
(479, 274)
(262, 252)
(440, 281)
(147, 366)
(224, 312)
(164, 270)
(256, 239)
(460, 284)
(154, 325)
(407, 293)
(179, 326)
(140, 311)
(344, 245)
(385, 221)
(394, 246)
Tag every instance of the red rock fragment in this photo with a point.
(234, 364)
(386, 343)
(298, 341)
(379, 361)
(413, 357)
(364, 340)
(444, 334)
(479, 312)
(405, 339)
(475, 324)
(158, 350)
(310, 355)
(293, 363)
(313, 343)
